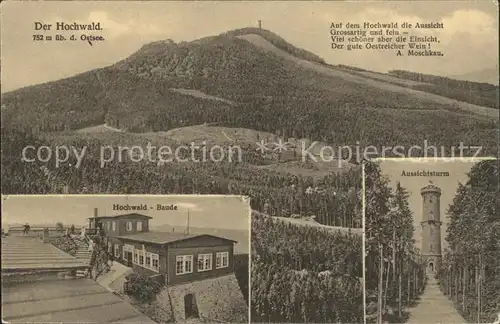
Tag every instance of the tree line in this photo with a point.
(280, 194)
(482, 94)
(470, 274)
(395, 273)
(302, 274)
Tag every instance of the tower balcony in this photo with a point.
(431, 221)
(430, 188)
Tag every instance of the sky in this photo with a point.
(469, 38)
(457, 169)
(219, 212)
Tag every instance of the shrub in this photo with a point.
(65, 244)
(142, 289)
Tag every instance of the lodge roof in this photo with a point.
(123, 215)
(165, 237)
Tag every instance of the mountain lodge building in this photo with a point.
(180, 257)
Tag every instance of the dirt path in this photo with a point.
(434, 307)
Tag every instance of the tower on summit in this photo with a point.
(431, 227)
(260, 24)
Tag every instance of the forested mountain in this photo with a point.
(258, 90)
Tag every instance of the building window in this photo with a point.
(139, 226)
(117, 250)
(183, 264)
(136, 257)
(141, 258)
(114, 226)
(156, 262)
(127, 248)
(147, 260)
(110, 247)
(222, 260)
(204, 262)
(129, 226)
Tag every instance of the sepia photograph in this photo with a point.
(432, 241)
(238, 97)
(125, 259)
(278, 101)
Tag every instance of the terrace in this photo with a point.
(39, 284)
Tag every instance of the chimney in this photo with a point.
(95, 212)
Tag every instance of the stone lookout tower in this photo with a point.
(431, 227)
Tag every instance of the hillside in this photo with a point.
(482, 76)
(249, 79)
(305, 274)
(278, 42)
(484, 94)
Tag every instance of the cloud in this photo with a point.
(474, 24)
(189, 206)
(465, 35)
(113, 28)
(477, 25)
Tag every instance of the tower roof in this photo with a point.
(430, 188)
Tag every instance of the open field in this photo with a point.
(312, 223)
(212, 135)
(98, 129)
(314, 169)
(200, 94)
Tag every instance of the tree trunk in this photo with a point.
(386, 286)
(479, 280)
(415, 281)
(400, 284)
(393, 256)
(464, 287)
(409, 277)
(380, 284)
(417, 288)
